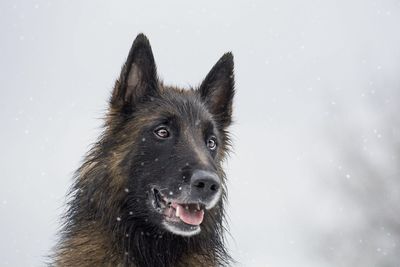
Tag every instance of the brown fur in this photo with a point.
(96, 232)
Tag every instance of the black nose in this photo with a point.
(205, 183)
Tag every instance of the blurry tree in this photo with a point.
(366, 182)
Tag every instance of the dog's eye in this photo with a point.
(162, 132)
(212, 143)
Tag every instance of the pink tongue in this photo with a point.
(193, 217)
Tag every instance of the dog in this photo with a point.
(151, 190)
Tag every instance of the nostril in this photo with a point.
(200, 185)
(214, 187)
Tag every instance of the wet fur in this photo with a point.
(107, 223)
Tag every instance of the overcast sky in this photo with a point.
(314, 177)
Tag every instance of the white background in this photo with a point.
(314, 178)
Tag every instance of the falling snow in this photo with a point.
(315, 138)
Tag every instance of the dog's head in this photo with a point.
(171, 143)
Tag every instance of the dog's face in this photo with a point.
(177, 139)
(177, 163)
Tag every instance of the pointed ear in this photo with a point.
(138, 79)
(217, 90)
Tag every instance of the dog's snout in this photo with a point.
(205, 183)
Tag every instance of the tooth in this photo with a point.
(187, 207)
(178, 211)
(198, 206)
(170, 213)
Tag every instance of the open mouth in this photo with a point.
(186, 217)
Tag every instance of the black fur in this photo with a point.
(110, 218)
